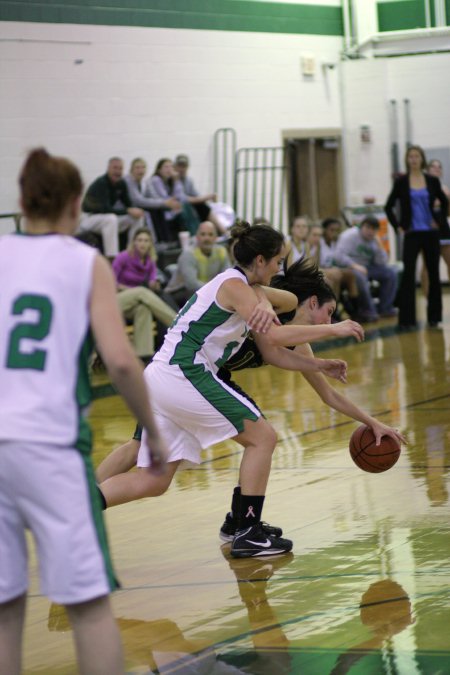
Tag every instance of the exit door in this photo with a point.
(315, 187)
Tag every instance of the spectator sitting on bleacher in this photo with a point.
(107, 208)
(198, 201)
(297, 246)
(138, 287)
(314, 236)
(199, 264)
(360, 248)
(337, 273)
(140, 195)
(165, 184)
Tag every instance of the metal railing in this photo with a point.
(224, 150)
(14, 216)
(260, 183)
(253, 180)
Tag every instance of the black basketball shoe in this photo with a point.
(229, 527)
(253, 541)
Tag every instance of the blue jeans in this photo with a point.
(387, 278)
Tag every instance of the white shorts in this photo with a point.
(52, 492)
(194, 413)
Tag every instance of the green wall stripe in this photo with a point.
(401, 15)
(228, 15)
(432, 14)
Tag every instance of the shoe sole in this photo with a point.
(258, 554)
(227, 538)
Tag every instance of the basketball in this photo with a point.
(370, 457)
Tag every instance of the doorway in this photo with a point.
(315, 186)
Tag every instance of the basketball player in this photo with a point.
(194, 408)
(53, 288)
(316, 303)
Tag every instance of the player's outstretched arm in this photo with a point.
(286, 336)
(335, 399)
(282, 301)
(287, 359)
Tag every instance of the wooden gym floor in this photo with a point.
(367, 588)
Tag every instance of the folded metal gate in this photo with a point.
(259, 179)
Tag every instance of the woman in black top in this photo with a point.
(417, 195)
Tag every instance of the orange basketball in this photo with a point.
(370, 457)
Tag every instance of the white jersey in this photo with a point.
(297, 252)
(203, 331)
(45, 283)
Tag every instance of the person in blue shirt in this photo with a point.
(423, 219)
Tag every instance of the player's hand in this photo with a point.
(334, 368)
(379, 429)
(262, 317)
(158, 454)
(348, 328)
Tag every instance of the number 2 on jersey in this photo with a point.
(27, 330)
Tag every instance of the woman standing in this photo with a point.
(138, 286)
(54, 289)
(196, 409)
(417, 194)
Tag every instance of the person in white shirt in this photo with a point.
(55, 289)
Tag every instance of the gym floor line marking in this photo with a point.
(284, 579)
(333, 426)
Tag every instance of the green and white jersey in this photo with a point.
(45, 289)
(204, 333)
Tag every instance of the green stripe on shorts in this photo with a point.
(205, 383)
(99, 525)
(222, 400)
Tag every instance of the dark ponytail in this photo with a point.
(304, 279)
(249, 241)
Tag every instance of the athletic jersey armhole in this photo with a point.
(218, 289)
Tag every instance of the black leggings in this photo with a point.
(414, 242)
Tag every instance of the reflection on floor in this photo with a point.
(367, 588)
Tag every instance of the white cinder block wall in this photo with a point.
(367, 87)
(91, 92)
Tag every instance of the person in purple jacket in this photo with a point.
(138, 286)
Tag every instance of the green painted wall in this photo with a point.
(229, 15)
(406, 14)
(401, 15)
